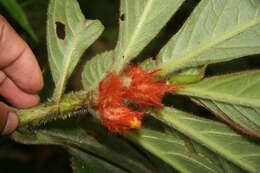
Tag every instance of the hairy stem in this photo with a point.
(69, 105)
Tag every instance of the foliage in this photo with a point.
(216, 31)
(17, 12)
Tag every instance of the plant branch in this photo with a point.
(70, 104)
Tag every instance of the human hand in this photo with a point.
(20, 76)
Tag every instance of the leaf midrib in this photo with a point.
(139, 25)
(134, 36)
(220, 96)
(66, 62)
(168, 155)
(182, 61)
(186, 129)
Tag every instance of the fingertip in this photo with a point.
(16, 96)
(38, 84)
(30, 101)
(25, 72)
(11, 124)
(32, 80)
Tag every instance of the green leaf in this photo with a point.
(96, 69)
(83, 162)
(30, 2)
(175, 151)
(16, 11)
(216, 31)
(233, 97)
(217, 137)
(68, 35)
(161, 165)
(190, 75)
(105, 146)
(140, 21)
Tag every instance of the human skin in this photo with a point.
(20, 76)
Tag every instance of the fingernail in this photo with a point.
(11, 123)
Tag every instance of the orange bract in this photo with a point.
(110, 90)
(144, 89)
(135, 85)
(121, 118)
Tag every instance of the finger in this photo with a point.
(25, 72)
(8, 119)
(17, 60)
(16, 96)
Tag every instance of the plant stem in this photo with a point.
(69, 105)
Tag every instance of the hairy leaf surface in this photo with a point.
(233, 97)
(216, 31)
(217, 137)
(140, 21)
(183, 154)
(96, 69)
(68, 35)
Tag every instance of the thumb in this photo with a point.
(8, 119)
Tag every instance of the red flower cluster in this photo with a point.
(135, 86)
